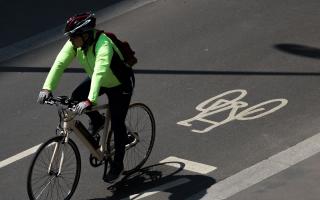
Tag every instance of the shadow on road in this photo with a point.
(160, 178)
(169, 72)
(300, 50)
(36, 16)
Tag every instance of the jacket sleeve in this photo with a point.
(63, 60)
(104, 52)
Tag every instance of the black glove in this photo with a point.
(44, 95)
(82, 106)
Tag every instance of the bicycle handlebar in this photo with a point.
(62, 100)
(66, 101)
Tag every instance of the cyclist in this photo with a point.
(98, 64)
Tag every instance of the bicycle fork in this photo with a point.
(55, 159)
(56, 154)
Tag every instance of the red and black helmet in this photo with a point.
(80, 23)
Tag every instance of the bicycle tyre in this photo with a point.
(133, 124)
(42, 155)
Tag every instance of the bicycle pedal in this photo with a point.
(116, 185)
(94, 162)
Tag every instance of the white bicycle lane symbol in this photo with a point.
(220, 103)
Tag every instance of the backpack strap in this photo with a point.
(98, 33)
(109, 35)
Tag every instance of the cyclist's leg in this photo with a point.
(81, 94)
(119, 100)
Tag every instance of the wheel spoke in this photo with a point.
(140, 121)
(45, 185)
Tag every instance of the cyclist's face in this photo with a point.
(76, 41)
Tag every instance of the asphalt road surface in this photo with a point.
(230, 83)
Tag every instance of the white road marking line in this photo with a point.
(174, 162)
(189, 165)
(238, 182)
(19, 156)
(262, 170)
(158, 189)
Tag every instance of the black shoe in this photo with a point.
(115, 173)
(95, 126)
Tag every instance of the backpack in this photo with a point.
(123, 46)
(122, 69)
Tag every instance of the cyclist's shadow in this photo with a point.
(160, 178)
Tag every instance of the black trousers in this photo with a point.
(119, 99)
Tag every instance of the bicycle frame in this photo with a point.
(59, 158)
(69, 123)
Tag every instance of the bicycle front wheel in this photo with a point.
(55, 170)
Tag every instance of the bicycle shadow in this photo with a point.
(299, 50)
(160, 178)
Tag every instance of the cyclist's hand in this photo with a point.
(44, 95)
(82, 106)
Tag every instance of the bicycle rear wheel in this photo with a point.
(141, 131)
(55, 170)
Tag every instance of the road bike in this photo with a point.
(56, 166)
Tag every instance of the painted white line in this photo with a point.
(189, 165)
(158, 189)
(262, 170)
(19, 156)
(174, 162)
(56, 33)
